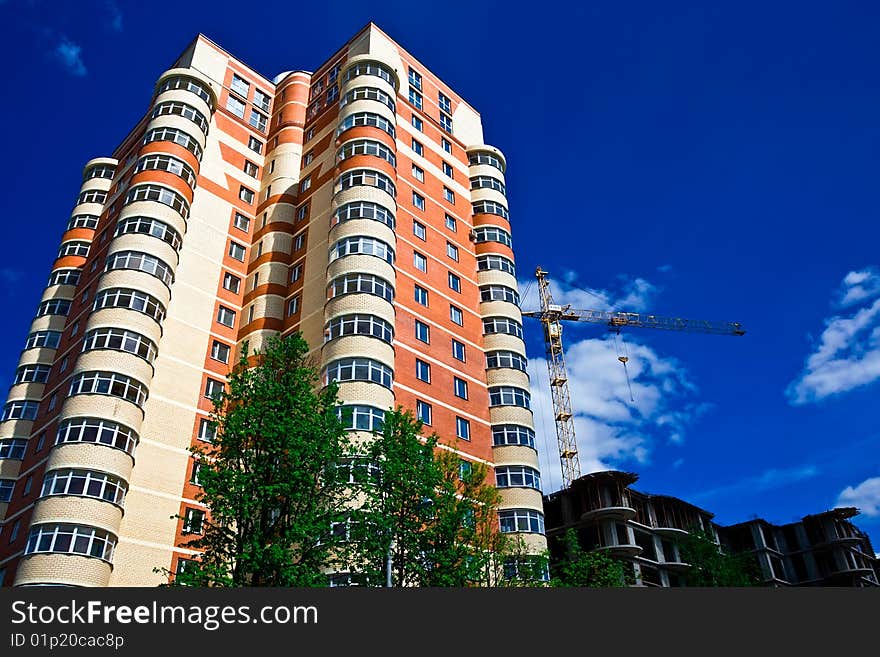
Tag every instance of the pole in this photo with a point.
(388, 583)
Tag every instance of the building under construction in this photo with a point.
(644, 530)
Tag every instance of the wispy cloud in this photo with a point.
(865, 496)
(114, 15)
(610, 429)
(10, 276)
(766, 480)
(664, 269)
(848, 352)
(70, 56)
(633, 294)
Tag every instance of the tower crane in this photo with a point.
(552, 315)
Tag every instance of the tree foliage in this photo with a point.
(711, 565)
(582, 568)
(269, 477)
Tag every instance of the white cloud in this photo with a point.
(865, 497)
(114, 15)
(610, 429)
(859, 286)
(630, 294)
(848, 352)
(70, 55)
(766, 480)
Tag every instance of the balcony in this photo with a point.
(609, 513)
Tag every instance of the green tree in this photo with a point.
(582, 568)
(433, 513)
(269, 477)
(711, 565)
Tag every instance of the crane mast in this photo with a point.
(550, 319)
(552, 316)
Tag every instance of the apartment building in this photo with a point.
(357, 204)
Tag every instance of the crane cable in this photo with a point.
(624, 358)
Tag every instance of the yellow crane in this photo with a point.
(552, 315)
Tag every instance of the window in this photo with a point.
(517, 476)
(293, 306)
(423, 332)
(240, 85)
(236, 251)
(449, 195)
(226, 316)
(176, 136)
(255, 144)
(207, 430)
(131, 299)
(6, 486)
(48, 339)
(75, 328)
(299, 242)
(361, 245)
(423, 411)
(492, 234)
(366, 147)
(521, 520)
(361, 283)
(419, 230)
(332, 95)
(502, 325)
(462, 428)
(138, 261)
(20, 409)
(13, 534)
(452, 251)
(363, 119)
(193, 479)
(296, 272)
(308, 158)
(418, 201)
(189, 84)
(498, 262)
(423, 371)
(213, 388)
(460, 387)
(152, 227)
(465, 468)
(310, 133)
(361, 417)
(85, 483)
(258, 120)
(445, 122)
(231, 283)
(444, 102)
(71, 539)
(302, 212)
(31, 373)
(458, 350)
(236, 106)
(447, 169)
(454, 282)
(118, 339)
(418, 173)
(13, 448)
(91, 196)
(359, 369)
(369, 68)
(447, 145)
(420, 262)
(74, 248)
(417, 147)
(83, 221)
(490, 207)
(508, 359)
(456, 315)
(368, 93)
(220, 351)
(359, 324)
(364, 210)
(512, 434)
(109, 383)
(98, 431)
(421, 295)
(487, 182)
(451, 223)
(251, 169)
(246, 195)
(484, 157)
(499, 293)
(415, 98)
(509, 396)
(167, 163)
(418, 124)
(415, 79)
(365, 177)
(261, 100)
(193, 521)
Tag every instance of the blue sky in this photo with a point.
(709, 162)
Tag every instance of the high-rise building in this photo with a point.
(357, 204)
